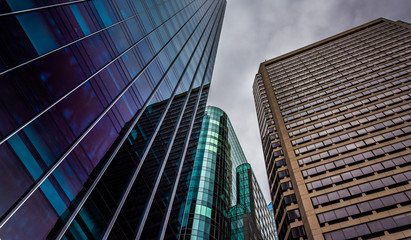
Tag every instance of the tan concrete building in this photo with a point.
(335, 126)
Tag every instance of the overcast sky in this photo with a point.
(258, 30)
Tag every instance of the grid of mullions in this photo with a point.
(365, 208)
(238, 222)
(210, 194)
(338, 99)
(271, 145)
(220, 193)
(373, 228)
(345, 104)
(387, 97)
(261, 101)
(68, 95)
(343, 97)
(373, 186)
(377, 114)
(338, 51)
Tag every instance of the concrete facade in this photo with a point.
(334, 121)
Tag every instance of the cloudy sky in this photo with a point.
(258, 30)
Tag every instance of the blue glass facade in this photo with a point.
(101, 104)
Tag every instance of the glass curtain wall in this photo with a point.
(101, 101)
(224, 200)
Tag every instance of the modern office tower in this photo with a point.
(224, 200)
(334, 120)
(101, 104)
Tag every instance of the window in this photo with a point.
(290, 199)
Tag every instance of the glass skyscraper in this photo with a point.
(334, 121)
(224, 200)
(101, 104)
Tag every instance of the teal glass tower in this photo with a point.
(224, 199)
(101, 104)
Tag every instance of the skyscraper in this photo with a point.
(334, 120)
(224, 200)
(101, 104)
